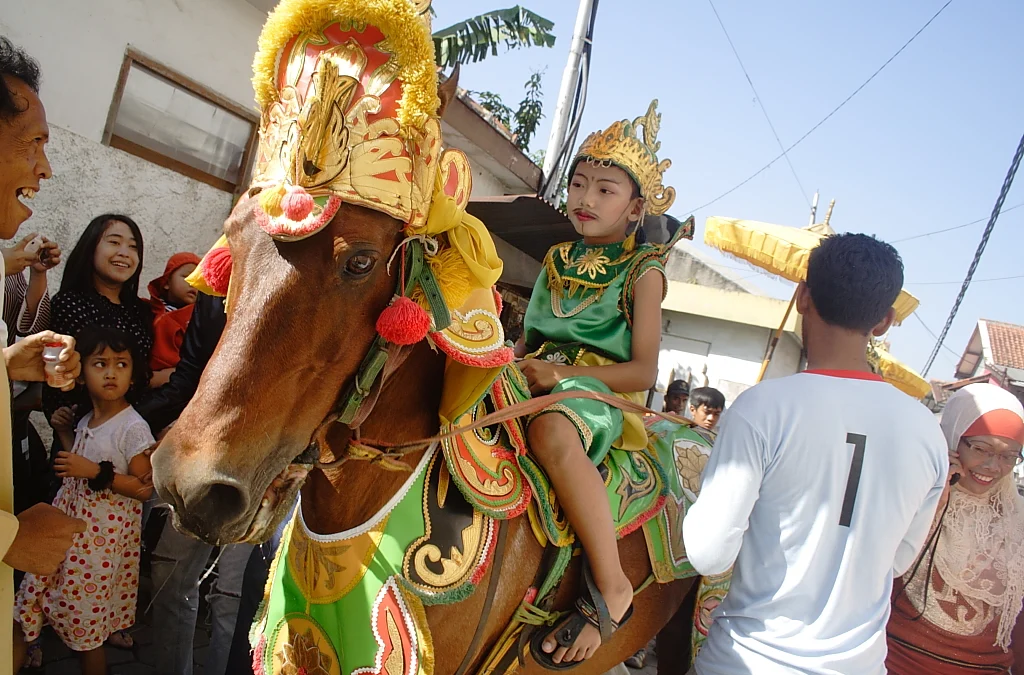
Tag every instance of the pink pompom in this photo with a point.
(404, 322)
(297, 204)
(217, 269)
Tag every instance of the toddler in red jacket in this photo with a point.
(172, 299)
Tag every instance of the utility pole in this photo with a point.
(567, 93)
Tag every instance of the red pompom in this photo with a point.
(404, 322)
(297, 204)
(217, 269)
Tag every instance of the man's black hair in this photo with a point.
(853, 280)
(708, 397)
(15, 63)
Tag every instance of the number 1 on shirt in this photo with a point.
(858, 441)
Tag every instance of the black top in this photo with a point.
(71, 311)
(162, 406)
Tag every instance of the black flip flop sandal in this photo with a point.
(590, 609)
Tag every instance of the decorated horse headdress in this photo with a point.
(349, 99)
(623, 145)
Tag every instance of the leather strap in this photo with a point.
(492, 589)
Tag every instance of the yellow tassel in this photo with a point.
(453, 277)
(270, 200)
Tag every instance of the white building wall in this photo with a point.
(80, 45)
(727, 354)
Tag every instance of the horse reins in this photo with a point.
(383, 359)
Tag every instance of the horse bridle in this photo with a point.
(383, 358)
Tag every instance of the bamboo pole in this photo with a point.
(776, 337)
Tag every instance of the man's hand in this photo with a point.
(17, 258)
(68, 465)
(44, 536)
(542, 375)
(48, 256)
(25, 358)
(955, 470)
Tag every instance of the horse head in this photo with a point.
(300, 319)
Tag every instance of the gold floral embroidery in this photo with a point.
(592, 263)
(303, 657)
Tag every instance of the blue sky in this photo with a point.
(923, 147)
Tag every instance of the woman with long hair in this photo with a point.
(101, 286)
(956, 611)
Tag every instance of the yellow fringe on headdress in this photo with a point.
(407, 37)
(453, 277)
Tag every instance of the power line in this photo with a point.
(950, 229)
(826, 118)
(1007, 182)
(760, 103)
(932, 333)
(944, 283)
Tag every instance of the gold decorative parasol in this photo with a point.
(784, 251)
(780, 250)
(897, 373)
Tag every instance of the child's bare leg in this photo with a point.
(581, 492)
(94, 661)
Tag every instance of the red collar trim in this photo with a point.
(848, 374)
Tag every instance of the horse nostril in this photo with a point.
(223, 502)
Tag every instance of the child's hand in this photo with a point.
(68, 465)
(542, 375)
(63, 419)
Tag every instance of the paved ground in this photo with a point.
(59, 660)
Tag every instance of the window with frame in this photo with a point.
(166, 118)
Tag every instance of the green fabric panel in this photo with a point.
(601, 325)
(347, 621)
(598, 424)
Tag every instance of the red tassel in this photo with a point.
(217, 269)
(404, 322)
(297, 203)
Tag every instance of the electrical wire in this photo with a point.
(760, 103)
(1003, 191)
(950, 229)
(826, 118)
(932, 333)
(977, 281)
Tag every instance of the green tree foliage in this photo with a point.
(476, 38)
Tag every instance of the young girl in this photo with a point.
(101, 286)
(172, 300)
(594, 324)
(102, 464)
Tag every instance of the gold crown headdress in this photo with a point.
(622, 145)
(348, 90)
(349, 97)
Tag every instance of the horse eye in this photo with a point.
(359, 264)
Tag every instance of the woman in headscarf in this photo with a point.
(956, 610)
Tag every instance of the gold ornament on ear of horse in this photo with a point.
(349, 96)
(623, 146)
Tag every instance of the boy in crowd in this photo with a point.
(706, 406)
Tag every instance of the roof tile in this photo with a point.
(1007, 341)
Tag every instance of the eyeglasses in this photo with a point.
(1004, 458)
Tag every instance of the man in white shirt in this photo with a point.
(821, 486)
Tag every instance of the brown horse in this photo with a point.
(301, 317)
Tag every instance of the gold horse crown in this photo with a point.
(622, 145)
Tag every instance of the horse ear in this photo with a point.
(448, 90)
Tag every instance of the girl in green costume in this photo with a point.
(594, 324)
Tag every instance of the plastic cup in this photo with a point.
(51, 357)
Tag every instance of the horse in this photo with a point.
(300, 320)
